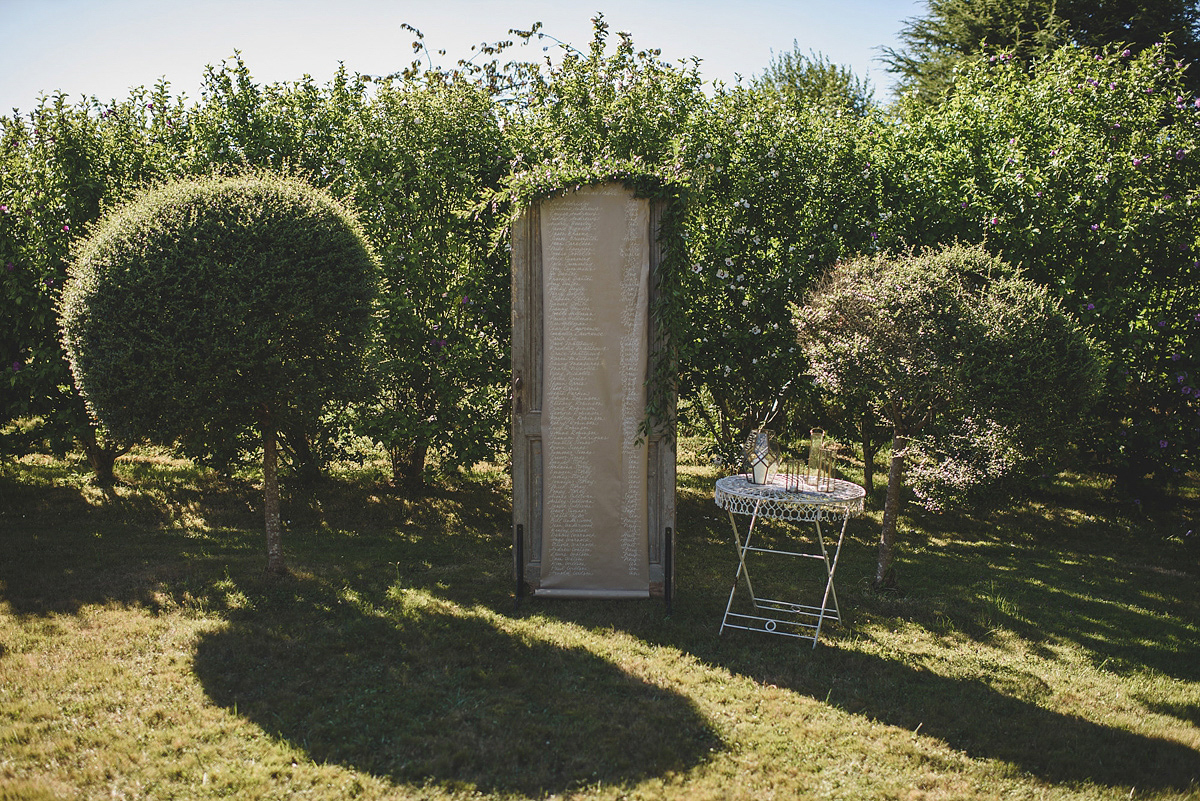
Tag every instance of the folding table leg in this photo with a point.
(830, 569)
(742, 569)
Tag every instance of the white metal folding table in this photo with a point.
(774, 501)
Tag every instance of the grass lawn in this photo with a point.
(1050, 652)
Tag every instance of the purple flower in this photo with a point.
(1175, 357)
(1179, 154)
(1167, 196)
(1095, 227)
(995, 220)
(10, 267)
(1179, 378)
(1113, 86)
(1162, 443)
(66, 228)
(1162, 323)
(16, 366)
(964, 204)
(3, 209)
(1187, 390)
(465, 300)
(1127, 53)
(1091, 306)
(874, 236)
(1137, 162)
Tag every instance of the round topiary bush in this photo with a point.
(209, 310)
(982, 377)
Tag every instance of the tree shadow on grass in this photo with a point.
(997, 719)
(999, 713)
(431, 691)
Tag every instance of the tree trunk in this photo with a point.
(884, 575)
(408, 466)
(867, 429)
(868, 465)
(305, 464)
(275, 564)
(102, 458)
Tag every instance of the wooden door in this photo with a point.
(528, 396)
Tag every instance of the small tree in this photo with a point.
(981, 377)
(206, 310)
(814, 80)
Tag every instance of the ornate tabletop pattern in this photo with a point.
(775, 502)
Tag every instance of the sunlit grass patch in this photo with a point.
(143, 653)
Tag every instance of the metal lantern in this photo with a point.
(761, 456)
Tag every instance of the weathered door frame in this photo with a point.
(527, 382)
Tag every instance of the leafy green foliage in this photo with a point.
(814, 80)
(61, 165)
(420, 161)
(600, 117)
(1082, 170)
(772, 206)
(202, 309)
(954, 32)
(981, 376)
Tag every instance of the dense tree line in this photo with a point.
(1079, 168)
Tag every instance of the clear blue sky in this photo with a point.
(104, 47)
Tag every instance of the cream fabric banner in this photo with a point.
(595, 278)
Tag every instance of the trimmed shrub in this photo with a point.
(982, 378)
(206, 310)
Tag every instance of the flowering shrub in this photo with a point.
(981, 376)
(779, 195)
(1083, 170)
